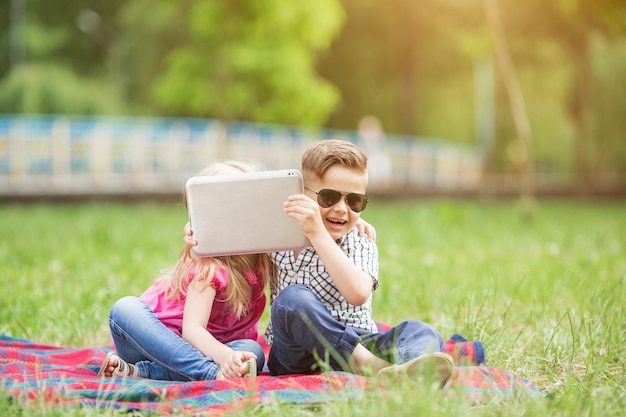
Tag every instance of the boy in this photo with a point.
(321, 297)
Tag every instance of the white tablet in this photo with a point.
(243, 213)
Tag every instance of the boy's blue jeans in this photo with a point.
(306, 334)
(140, 338)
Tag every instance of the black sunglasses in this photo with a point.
(328, 198)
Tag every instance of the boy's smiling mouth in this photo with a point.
(336, 223)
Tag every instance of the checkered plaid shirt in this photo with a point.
(309, 270)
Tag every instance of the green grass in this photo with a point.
(546, 298)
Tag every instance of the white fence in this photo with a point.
(58, 155)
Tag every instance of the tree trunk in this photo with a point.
(518, 108)
(579, 110)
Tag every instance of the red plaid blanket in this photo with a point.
(66, 377)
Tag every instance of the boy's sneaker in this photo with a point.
(426, 369)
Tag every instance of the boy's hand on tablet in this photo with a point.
(307, 212)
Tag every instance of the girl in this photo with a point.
(197, 322)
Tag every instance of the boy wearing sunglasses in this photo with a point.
(321, 297)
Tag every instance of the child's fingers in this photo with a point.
(245, 367)
(247, 355)
(231, 369)
(236, 366)
(299, 199)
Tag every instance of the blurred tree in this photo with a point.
(411, 64)
(402, 61)
(573, 24)
(51, 65)
(608, 101)
(240, 59)
(517, 105)
(377, 62)
(54, 89)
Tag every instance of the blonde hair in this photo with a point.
(238, 290)
(322, 155)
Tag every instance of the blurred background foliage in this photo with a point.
(424, 67)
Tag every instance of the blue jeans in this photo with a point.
(306, 334)
(159, 353)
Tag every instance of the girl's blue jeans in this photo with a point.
(140, 338)
(305, 335)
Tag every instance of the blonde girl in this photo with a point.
(198, 321)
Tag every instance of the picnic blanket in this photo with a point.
(56, 376)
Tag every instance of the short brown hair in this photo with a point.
(322, 155)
